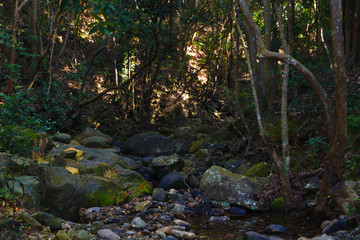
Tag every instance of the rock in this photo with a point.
(278, 205)
(185, 133)
(257, 236)
(29, 188)
(96, 226)
(313, 185)
(238, 211)
(204, 157)
(178, 208)
(165, 164)
(107, 234)
(183, 234)
(199, 144)
(336, 225)
(80, 235)
(61, 137)
(324, 237)
(224, 188)
(345, 197)
(96, 142)
(151, 143)
(172, 180)
(275, 229)
(143, 206)
(258, 170)
(42, 145)
(66, 193)
(48, 220)
(72, 153)
(90, 132)
(159, 194)
(170, 238)
(62, 235)
(138, 223)
(218, 219)
(28, 219)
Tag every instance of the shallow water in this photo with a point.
(235, 229)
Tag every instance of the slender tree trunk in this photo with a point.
(349, 25)
(291, 22)
(334, 160)
(285, 163)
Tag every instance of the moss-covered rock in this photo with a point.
(199, 144)
(258, 170)
(224, 188)
(278, 205)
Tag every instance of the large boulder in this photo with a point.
(165, 164)
(90, 132)
(28, 187)
(224, 188)
(151, 143)
(66, 193)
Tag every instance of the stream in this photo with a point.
(257, 222)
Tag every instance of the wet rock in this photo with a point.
(218, 219)
(61, 137)
(238, 211)
(159, 194)
(183, 234)
(151, 143)
(138, 223)
(48, 220)
(224, 188)
(258, 170)
(275, 229)
(257, 236)
(172, 180)
(107, 234)
(322, 237)
(96, 142)
(170, 238)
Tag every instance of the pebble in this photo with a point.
(107, 234)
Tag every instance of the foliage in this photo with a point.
(317, 145)
(18, 123)
(353, 167)
(53, 106)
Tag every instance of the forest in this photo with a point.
(180, 119)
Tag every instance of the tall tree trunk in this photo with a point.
(334, 160)
(285, 163)
(291, 22)
(349, 25)
(17, 10)
(268, 76)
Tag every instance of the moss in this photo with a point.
(278, 205)
(259, 170)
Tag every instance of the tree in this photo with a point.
(335, 117)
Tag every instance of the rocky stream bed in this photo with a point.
(194, 184)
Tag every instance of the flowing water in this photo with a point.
(235, 229)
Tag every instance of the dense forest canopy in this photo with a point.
(284, 72)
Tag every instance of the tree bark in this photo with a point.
(269, 81)
(334, 160)
(17, 10)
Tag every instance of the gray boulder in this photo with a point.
(29, 188)
(224, 188)
(151, 143)
(96, 142)
(172, 180)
